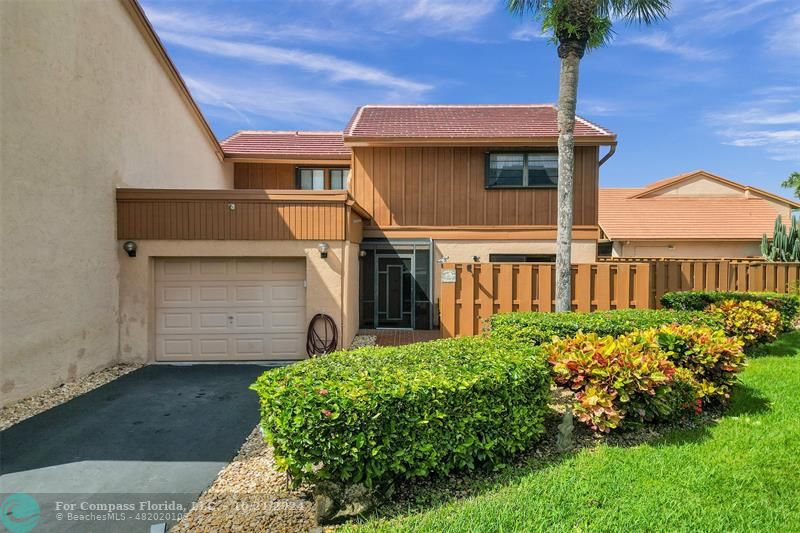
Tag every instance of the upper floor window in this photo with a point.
(521, 169)
(320, 179)
(339, 177)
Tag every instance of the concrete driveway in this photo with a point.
(134, 452)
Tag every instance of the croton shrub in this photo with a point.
(539, 328)
(712, 358)
(788, 305)
(752, 321)
(379, 414)
(616, 380)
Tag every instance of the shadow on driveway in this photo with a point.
(161, 430)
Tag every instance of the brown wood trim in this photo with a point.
(500, 233)
(593, 140)
(234, 194)
(290, 160)
(174, 214)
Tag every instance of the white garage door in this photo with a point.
(210, 309)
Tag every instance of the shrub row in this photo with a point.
(539, 328)
(378, 414)
(653, 374)
(751, 321)
(788, 305)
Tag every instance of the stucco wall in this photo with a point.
(688, 249)
(323, 294)
(86, 107)
(699, 186)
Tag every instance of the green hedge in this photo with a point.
(788, 305)
(539, 328)
(375, 414)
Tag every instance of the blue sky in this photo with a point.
(717, 86)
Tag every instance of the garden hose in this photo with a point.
(323, 339)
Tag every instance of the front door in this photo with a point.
(394, 281)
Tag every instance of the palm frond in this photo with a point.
(642, 11)
(524, 7)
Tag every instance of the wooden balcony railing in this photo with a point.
(183, 214)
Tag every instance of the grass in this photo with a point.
(740, 474)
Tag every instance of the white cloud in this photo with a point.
(663, 42)
(456, 15)
(785, 39)
(528, 33)
(334, 68)
(598, 108)
(428, 17)
(288, 103)
(197, 23)
(770, 123)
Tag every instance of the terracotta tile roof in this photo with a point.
(463, 122)
(622, 217)
(286, 145)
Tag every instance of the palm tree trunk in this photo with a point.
(567, 97)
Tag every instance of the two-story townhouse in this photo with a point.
(351, 224)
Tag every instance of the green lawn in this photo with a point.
(742, 474)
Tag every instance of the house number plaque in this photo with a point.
(448, 275)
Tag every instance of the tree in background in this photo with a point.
(576, 26)
(793, 182)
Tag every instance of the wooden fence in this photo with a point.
(480, 290)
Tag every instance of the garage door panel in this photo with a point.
(234, 293)
(276, 347)
(211, 309)
(241, 320)
(213, 269)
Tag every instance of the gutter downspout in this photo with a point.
(611, 150)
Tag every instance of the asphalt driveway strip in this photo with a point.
(134, 452)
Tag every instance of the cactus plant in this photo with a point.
(785, 244)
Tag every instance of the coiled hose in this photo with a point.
(323, 337)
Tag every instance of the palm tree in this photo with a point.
(577, 26)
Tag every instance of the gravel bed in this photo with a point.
(28, 407)
(359, 341)
(250, 495)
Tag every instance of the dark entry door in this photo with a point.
(395, 287)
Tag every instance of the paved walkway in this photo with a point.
(398, 337)
(154, 439)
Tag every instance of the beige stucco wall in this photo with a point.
(688, 249)
(462, 251)
(350, 305)
(324, 293)
(86, 107)
(699, 186)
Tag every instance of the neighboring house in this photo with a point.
(693, 215)
(90, 102)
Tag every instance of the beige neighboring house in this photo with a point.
(90, 102)
(692, 215)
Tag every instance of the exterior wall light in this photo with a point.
(476, 258)
(130, 248)
(323, 250)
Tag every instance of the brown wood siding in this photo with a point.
(192, 215)
(272, 176)
(444, 186)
